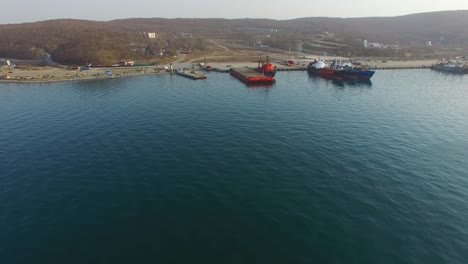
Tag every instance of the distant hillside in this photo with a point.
(80, 41)
(451, 26)
(69, 41)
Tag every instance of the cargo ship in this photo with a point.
(320, 69)
(350, 72)
(264, 73)
(339, 71)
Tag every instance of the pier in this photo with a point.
(401, 68)
(292, 69)
(282, 69)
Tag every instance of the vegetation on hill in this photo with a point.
(79, 41)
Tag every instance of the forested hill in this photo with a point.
(79, 41)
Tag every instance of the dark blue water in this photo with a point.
(163, 169)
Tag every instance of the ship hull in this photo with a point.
(360, 75)
(342, 75)
(326, 73)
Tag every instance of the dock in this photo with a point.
(191, 75)
(370, 68)
(291, 69)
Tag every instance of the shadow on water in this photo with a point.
(260, 87)
(100, 86)
(453, 75)
(341, 83)
(353, 83)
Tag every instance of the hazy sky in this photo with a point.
(16, 11)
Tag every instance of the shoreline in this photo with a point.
(79, 79)
(55, 75)
(46, 74)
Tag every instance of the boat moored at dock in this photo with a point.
(339, 71)
(264, 73)
(451, 67)
(191, 74)
(320, 69)
(350, 72)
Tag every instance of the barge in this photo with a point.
(264, 73)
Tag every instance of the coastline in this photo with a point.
(35, 74)
(54, 74)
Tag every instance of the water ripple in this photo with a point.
(165, 169)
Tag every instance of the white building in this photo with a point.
(152, 35)
(375, 45)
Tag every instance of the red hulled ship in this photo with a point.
(264, 73)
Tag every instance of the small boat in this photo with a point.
(264, 73)
(191, 75)
(449, 66)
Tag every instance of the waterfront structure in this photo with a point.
(264, 73)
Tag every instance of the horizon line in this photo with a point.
(238, 18)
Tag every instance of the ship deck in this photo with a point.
(249, 73)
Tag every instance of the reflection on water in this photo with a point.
(353, 83)
(260, 85)
(164, 164)
(340, 83)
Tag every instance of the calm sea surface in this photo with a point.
(162, 169)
